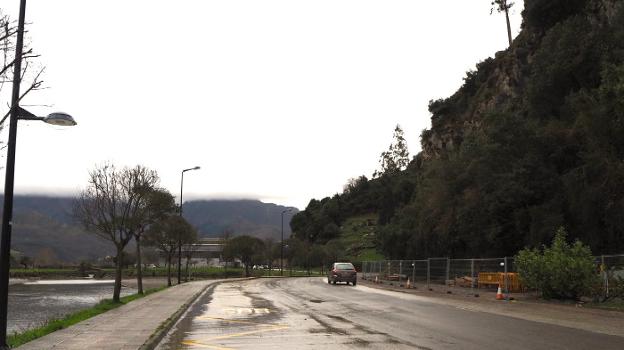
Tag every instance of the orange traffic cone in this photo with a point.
(499, 294)
(408, 285)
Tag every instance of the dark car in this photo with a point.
(342, 272)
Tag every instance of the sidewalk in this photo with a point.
(126, 327)
(589, 319)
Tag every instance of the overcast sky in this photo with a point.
(281, 101)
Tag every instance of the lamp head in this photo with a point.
(60, 119)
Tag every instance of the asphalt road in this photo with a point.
(308, 313)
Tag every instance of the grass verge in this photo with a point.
(53, 325)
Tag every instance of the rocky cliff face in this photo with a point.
(499, 84)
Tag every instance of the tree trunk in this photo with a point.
(508, 23)
(186, 279)
(139, 267)
(118, 268)
(169, 270)
(246, 270)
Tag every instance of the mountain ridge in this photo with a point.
(44, 227)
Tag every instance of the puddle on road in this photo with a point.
(229, 316)
(223, 312)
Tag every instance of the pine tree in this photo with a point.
(396, 158)
(503, 6)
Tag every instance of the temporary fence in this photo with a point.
(611, 268)
(470, 273)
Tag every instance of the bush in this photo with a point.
(561, 271)
(616, 286)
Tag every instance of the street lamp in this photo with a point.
(16, 113)
(282, 244)
(180, 238)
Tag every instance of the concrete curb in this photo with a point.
(167, 324)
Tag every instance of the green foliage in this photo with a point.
(566, 61)
(166, 233)
(396, 158)
(542, 14)
(536, 144)
(245, 248)
(561, 271)
(502, 5)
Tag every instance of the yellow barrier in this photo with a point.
(498, 279)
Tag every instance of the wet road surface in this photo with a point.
(308, 313)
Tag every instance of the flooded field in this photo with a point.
(33, 303)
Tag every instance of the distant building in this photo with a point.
(207, 252)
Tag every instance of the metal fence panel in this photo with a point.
(472, 273)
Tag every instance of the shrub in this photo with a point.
(616, 286)
(561, 271)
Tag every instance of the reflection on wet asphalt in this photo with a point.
(225, 313)
(230, 317)
(307, 313)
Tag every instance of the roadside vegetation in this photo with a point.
(17, 339)
(530, 142)
(569, 271)
(560, 271)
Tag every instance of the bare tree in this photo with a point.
(189, 250)
(158, 204)
(503, 6)
(8, 34)
(165, 235)
(112, 207)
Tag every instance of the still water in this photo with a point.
(31, 304)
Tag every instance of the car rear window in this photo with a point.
(345, 267)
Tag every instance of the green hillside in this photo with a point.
(530, 142)
(357, 238)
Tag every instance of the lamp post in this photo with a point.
(180, 238)
(282, 244)
(16, 113)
